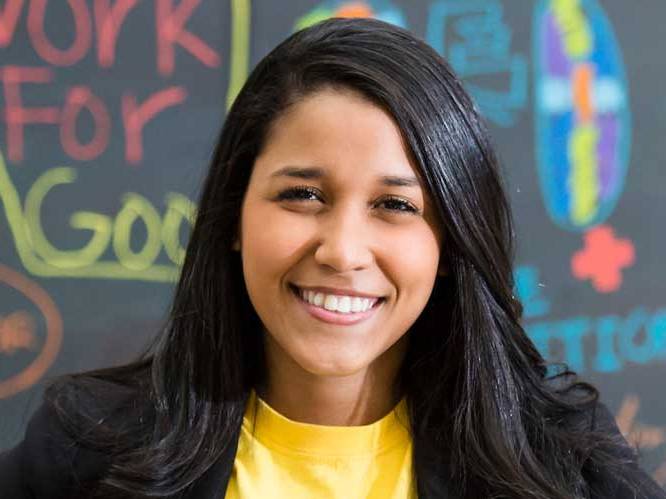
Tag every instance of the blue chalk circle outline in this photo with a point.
(609, 59)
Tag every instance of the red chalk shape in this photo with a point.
(8, 19)
(136, 116)
(602, 259)
(108, 21)
(44, 47)
(79, 98)
(170, 31)
(18, 116)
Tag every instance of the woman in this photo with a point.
(345, 304)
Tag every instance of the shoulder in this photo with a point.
(58, 456)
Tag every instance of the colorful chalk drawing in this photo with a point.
(379, 9)
(582, 119)
(473, 37)
(18, 333)
(602, 259)
(640, 436)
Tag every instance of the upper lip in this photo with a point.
(338, 291)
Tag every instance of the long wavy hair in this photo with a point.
(477, 389)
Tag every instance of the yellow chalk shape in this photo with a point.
(137, 207)
(240, 48)
(99, 224)
(583, 175)
(41, 258)
(574, 26)
(179, 209)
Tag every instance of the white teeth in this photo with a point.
(341, 304)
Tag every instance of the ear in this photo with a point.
(442, 269)
(236, 244)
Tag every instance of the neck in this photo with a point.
(355, 399)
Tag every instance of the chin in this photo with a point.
(333, 365)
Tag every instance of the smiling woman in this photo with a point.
(354, 226)
(344, 324)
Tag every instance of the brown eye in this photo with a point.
(298, 194)
(399, 205)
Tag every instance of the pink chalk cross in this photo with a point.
(602, 259)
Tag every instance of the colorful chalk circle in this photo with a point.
(378, 9)
(581, 108)
(17, 333)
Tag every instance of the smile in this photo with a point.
(332, 316)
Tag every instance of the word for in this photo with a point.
(79, 99)
(41, 257)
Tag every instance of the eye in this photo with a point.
(400, 205)
(305, 193)
(298, 193)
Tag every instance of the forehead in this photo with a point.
(340, 132)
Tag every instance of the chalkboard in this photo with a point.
(109, 111)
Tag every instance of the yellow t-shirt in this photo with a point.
(286, 459)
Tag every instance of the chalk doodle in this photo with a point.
(473, 37)
(18, 334)
(379, 9)
(602, 259)
(640, 436)
(582, 118)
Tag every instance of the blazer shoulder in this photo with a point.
(625, 478)
(54, 459)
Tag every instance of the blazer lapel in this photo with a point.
(431, 472)
(213, 483)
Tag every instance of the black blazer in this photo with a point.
(49, 464)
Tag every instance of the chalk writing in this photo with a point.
(639, 337)
(170, 32)
(603, 344)
(41, 258)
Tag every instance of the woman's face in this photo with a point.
(325, 211)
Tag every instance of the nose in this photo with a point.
(345, 243)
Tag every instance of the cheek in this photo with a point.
(415, 259)
(271, 238)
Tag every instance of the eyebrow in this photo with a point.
(314, 173)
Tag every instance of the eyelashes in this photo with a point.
(304, 193)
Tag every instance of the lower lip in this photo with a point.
(336, 317)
